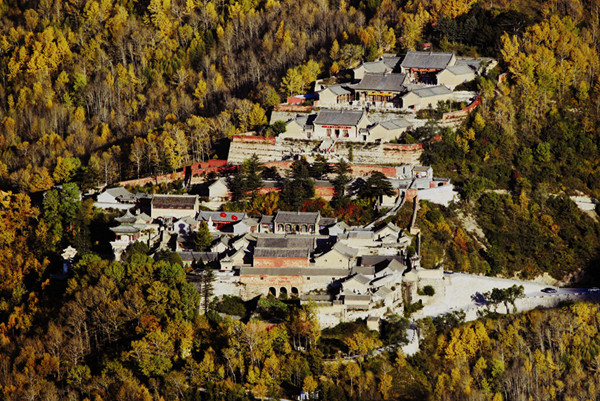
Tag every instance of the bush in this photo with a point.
(412, 308)
(428, 290)
(272, 309)
(231, 305)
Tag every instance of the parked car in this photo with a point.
(549, 290)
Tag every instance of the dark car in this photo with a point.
(549, 290)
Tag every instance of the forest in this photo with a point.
(133, 330)
(100, 91)
(97, 91)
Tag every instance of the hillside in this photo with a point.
(96, 91)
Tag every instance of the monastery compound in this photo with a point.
(349, 272)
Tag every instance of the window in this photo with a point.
(345, 132)
(328, 131)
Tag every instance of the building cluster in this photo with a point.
(349, 271)
(418, 80)
(345, 125)
(407, 181)
(158, 217)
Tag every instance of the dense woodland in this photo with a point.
(132, 330)
(100, 91)
(97, 91)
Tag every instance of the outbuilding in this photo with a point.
(340, 124)
(428, 97)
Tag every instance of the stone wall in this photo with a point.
(386, 154)
(267, 151)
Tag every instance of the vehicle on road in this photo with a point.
(594, 289)
(549, 290)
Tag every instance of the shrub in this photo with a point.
(428, 290)
(231, 305)
(412, 308)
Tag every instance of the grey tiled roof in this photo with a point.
(346, 250)
(323, 184)
(432, 91)
(249, 221)
(357, 235)
(364, 270)
(120, 191)
(305, 120)
(474, 64)
(270, 183)
(426, 60)
(382, 82)
(125, 229)
(360, 279)
(218, 217)
(143, 195)
(296, 218)
(375, 66)
(383, 291)
(169, 201)
(391, 62)
(206, 257)
(337, 90)
(327, 221)
(266, 219)
(339, 117)
(461, 69)
(126, 218)
(281, 252)
(393, 227)
(396, 266)
(396, 123)
(286, 242)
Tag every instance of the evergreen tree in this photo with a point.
(320, 167)
(202, 238)
(246, 180)
(375, 186)
(298, 187)
(207, 288)
(251, 173)
(342, 169)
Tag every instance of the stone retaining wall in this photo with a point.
(267, 151)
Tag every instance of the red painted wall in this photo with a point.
(280, 262)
